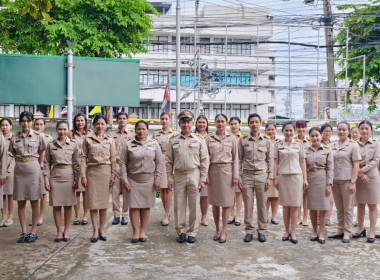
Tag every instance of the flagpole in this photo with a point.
(178, 60)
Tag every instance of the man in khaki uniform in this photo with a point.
(120, 136)
(187, 157)
(256, 161)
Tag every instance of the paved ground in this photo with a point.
(161, 257)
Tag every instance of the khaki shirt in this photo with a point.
(10, 158)
(289, 156)
(306, 142)
(224, 149)
(186, 153)
(256, 155)
(163, 138)
(138, 158)
(27, 146)
(120, 138)
(321, 158)
(3, 157)
(79, 138)
(370, 153)
(68, 154)
(47, 138)
(344, 157)
(97, 152)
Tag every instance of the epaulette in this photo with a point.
(278, 140)
(295, 137)
(174, 129)
(47, 135)
(133, 130)
(228, 133)
(200, 136)
(157, 129)
(299, 141)
(73, 140)
(352, 141)
(36, 132)
(90, 130)
(16, 133)
(172, 136)
(243, 136)
(308, 138)
(266, 136)
(374, 140)
(325, 146)
(210, 133)
(153, 140)
(1, 133)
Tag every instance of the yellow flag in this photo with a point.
(51, 111)
(96, 110)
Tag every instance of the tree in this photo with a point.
(364, 36)
(96, 28)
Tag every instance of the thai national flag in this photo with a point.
(166, 102)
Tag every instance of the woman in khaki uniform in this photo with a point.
(326, 140)
(201, 128)
(162, 136)
(235, 210)
(7, 210)
(223, 174)
(79, 133)
(98, 167)
(367, 186)
(39, 125)
(27, 146)
(346, 166)
(272, 193)
(290, 179)
(61, 175)
(141, 171)
(320, 173)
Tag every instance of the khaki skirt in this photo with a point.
(316, 197)
(142, 193)
(164, 178)
(9, 183)
(98, 181)
(221, 191)
(369, 193)
(290, 190)
(62, 192)
(27, 181)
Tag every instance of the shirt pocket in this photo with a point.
(261, 152)
(32, 147)
(248, 152)
(176, 148)
(213, 147)
(193, 148)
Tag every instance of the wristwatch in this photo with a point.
(353, 181)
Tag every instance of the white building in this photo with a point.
(245, 64)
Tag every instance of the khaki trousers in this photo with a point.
(254, 184)
(344, 204)
(186, 191)
(116, 196)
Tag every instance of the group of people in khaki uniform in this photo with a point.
(184, 163)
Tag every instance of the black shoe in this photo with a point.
(345, 240)
(321, 241)
(294, 241)
(22, 238)
(370, 240)
(135, 240)
(237, 224)
(116, 221)
(216, 238)
(191, 239)
(222, 240)
(248, 237)
(262, 237)
(31, 238)
(124, 221)
(76, 223)
(231, 222)
(66, 239)
(181, 238)
(336, 236)
(84, 222)
(94, 239)
(358, 235)
(377, 235)
(39, 224)
(57, 240)
(102, 238)
(142, 239)
(314, 238)
(274, 222)
(285, 238)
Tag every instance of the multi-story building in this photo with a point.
(315, 101)
(234, 77)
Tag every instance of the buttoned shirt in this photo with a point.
(321, 158)
(256, 155)
(66, 154)
(3, 157)
(162, 138)
(186, 153)
(27, 146)
(289, 156)
(344, 156)
(224, 149)
(98, 152)
(120, 138)
(79, 138)
(141, 157)
(370, 153)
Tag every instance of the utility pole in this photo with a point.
(178, 59)
(329, 53)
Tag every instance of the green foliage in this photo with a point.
(95, 28)
(363, 40)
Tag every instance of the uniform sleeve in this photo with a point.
(169, 161)
(269, 159)
(113, 159)
(374, 162)
(11, 165)
(355, 155)
(43, 144)
(3, 157)
(204, 161)
(329, 168)
(275, 150)
(76, 163)
(47, 165)
(83, 164)
(123, 164)
(11, 149)
(235, 158)
(158, 164)
(302, 151)
(241, 155)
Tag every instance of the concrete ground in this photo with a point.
(161, 257)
